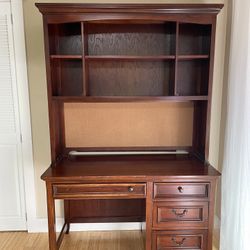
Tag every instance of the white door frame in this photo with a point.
(24, 108)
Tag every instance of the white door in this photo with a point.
(12, 202)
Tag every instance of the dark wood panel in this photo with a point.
(57, 133)
(200, 127)
(194, 39)
(193, 77)
(107, 210)
(65, 38)
(131, 39)
(130, 78)
(66, 77)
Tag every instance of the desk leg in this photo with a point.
(149, 206)
(66, 215)
(51, 217)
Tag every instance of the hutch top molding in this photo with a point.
(199, 13)
(63, 8)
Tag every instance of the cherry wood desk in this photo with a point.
(178, 193)
(126, 78)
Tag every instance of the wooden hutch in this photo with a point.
(129, 94)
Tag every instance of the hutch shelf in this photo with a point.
(129, 97)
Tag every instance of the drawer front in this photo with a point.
(181, 190)
(188, 240)
(91, 191)
(180, 215)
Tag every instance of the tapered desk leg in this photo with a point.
(149, 216)
(51, 217)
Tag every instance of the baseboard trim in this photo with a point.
(12, 224)
(41, 225)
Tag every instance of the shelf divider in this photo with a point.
(84, 53)
(176, 59)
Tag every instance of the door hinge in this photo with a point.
(21, 138)
(11, 18)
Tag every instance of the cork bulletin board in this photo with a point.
(154, 124)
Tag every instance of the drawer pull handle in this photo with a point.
(180, 215)
(130, 189)
(179, 243)
(180, 189)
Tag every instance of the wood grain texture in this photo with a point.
(111, 240)
(120, 78)
(105, 169)
(67, 39)
(123, 240)
(82, 211)
(100, 191)
(128, 124)
(131, 39)
(192, 77)
(194, 39)
(71, 77)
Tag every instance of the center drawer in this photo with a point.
(100, 191)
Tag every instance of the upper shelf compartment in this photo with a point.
(165, 60)
(194, 39)
(65, 39)
(128, 39)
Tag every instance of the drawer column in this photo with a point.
(181, 216)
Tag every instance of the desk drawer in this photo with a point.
(180, 215)
(91, 191)
(189, 240)
(181, 190)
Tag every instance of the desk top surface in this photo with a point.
(132, 168)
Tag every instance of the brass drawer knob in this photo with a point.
(180, 215)
(179, 243)
(130, 189)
